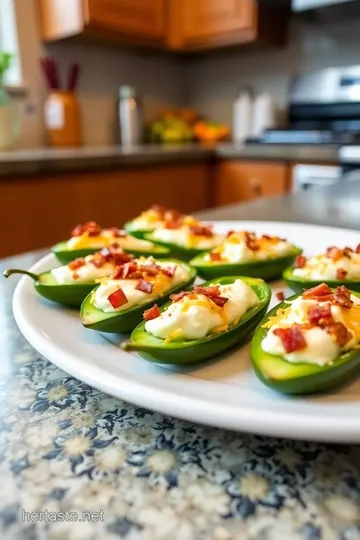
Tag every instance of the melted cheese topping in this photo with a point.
(322, 267)
(195, 318)
(184, 238)
(235, 250)
(105, 239)
(321, 348)
(161, 284)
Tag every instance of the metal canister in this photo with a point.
(130, 117)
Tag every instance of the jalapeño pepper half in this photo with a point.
(154, 349)
(279, 374)
(126, 319)
(265, 269)
(181, 252)
(297, 283)
(70, 295)
(66, 255)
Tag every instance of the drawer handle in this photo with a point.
(255, 186)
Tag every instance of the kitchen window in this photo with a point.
(9, 41)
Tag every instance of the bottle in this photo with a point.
(263, 115)
(242, 112)
(130, 117)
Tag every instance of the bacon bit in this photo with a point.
(300, 261)
(117, 273)
(319, 291)
(117, 298)
(75, 275)
(348, 251)
(130, 270)
(357, 248)
(201, 230)
(292, 338)
(215, 257)
(213, 293)
(151, 269)
(320, 315)
(121, 257)
(342, 297)
(90, 227)
(339, 332)
(144, 286)
(280, 296)
(152, 313)
(341, 274)
(98, 260)
(334, 253)
(172, 215)
(251, 241)
(179, 296)
(229, 233)
(169, 271)
(172, 224)
(117, 233)
(77, 263)
(158, 209)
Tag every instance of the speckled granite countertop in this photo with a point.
(47, 160)
(66, 449)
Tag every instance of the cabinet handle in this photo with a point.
(255, 186)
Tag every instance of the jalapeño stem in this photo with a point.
(8, 273)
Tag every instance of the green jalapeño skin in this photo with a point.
(283, 376)
(126, 319)
(181, 252)
(266, 269)
(70, 295)
(183, 352)
(297, 283)
(66, 255)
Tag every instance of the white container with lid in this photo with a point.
(242, 113)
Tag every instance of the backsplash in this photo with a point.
(214, 80)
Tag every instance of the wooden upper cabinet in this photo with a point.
(137, 21)
(208, 23)
(182, 25)
(143, 18)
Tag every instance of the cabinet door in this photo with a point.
(204, 23)
(238, 181)
(138, 18)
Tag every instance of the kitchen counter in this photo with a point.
(47, 160)
(67, 447)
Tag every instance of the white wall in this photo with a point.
(214, 80)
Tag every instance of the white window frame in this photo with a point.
(9, 42)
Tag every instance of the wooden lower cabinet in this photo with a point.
(41, 210)
(240, 181)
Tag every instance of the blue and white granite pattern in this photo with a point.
(65, 446)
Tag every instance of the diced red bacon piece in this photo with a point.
(117, 298)
(121, 257)
(106, 253)
(251, 241)
(215, 257)
(292, 338)
(169, 271)
(280, 296)
(320, 315)
(151, 269)
(342, 297)
(319, 292)
(339, 333)
(158, 209)
(172, 215)
(152, 313)
(129, 269)
(172, 224)
(229, 233)
(300, 261)
(117, 233)
(334, 253)
(77, 263)
(348, 251)
(179, 296)
(115, 245)
(98, 260)
(75, 275)
(118, 272)
(219, 300)
(201, 230)
(357, 248)
(207, 291)
(341, 274)
(91, 227)
(144, 286)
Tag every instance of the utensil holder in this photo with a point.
(62, 119)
